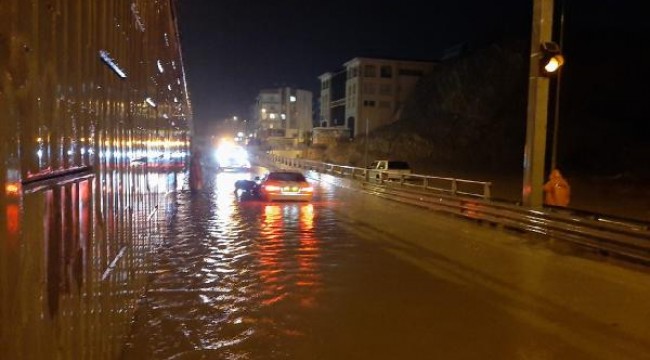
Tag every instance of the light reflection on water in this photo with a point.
(229, 276)
(257, 280)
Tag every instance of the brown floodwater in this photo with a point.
(352, 276)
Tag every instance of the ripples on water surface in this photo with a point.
(336, 279)
(237, 279)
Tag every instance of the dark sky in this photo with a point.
(235, 48)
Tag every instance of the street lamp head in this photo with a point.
(554, 63)
(551, 59)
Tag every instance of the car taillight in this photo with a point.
(307, 189)
(271, 188)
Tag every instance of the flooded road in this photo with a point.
(351, 276)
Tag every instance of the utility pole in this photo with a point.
(537, 114)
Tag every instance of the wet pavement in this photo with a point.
(352, 276)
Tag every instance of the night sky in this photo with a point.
(235, 48)
(232, 49)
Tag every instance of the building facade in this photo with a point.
(368, 93)
(95, 135)
(284, 113)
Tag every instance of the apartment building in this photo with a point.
(368, 93)
(284, 113)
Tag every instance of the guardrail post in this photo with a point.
(487, 190)
(454, 187)
(425, 183)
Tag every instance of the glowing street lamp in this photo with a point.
(551, 59)
(553, 64)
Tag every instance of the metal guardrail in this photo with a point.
(453, 186)
(609, 236)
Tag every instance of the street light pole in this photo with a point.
(537, 113)
(556, 117)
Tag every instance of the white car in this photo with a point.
(285, 185)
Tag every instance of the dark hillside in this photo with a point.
(472, 110)
(467, 116)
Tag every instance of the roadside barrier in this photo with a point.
(453, 186)
(628, 239)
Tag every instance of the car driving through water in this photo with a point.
(285, 185)
(230, 156)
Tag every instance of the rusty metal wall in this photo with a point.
(94, 126)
